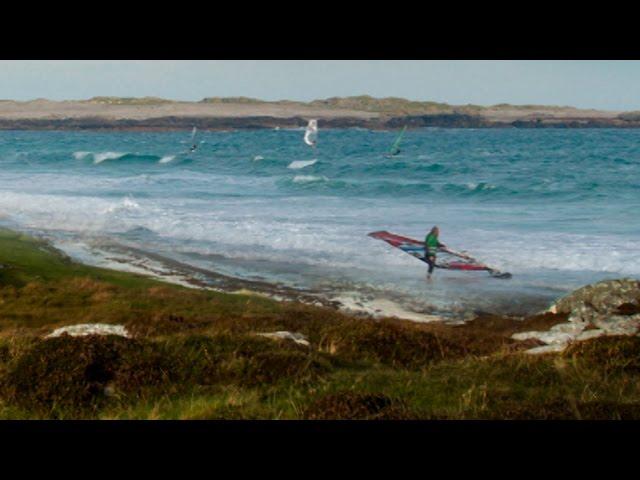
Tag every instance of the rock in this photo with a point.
(84, 329)
(554, 348)
(601, 297)
(571, 328)
(618, 324)
(604, 308)
(545, 337)
(589, 334)
(285, 335)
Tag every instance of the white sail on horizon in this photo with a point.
(311, 133)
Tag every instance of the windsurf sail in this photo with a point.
(447, 258)
(395, 148)
(194, 145)
(311, 133)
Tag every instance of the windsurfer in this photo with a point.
(395, 148)
(311, 133)
(194, 144)
(431, 246)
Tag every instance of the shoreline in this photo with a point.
(159, 267)
(168, 124)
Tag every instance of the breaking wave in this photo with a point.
(298, 164)
(100, 157)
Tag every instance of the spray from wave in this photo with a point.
(127, 204)
(81, 155)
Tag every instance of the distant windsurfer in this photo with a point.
(395, 149)
(311, 133)
(431, 246)
(194, 144)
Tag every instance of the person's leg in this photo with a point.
(431, 260)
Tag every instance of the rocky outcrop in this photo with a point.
(451, 120)
(164, 123)
(599, 298)
(611, 307)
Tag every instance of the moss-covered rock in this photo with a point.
(599, 299)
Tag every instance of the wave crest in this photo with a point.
(298, 164)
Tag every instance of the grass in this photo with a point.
(129, 100)
(195, 355)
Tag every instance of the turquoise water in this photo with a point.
(555, 207)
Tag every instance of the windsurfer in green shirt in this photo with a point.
(431, 246)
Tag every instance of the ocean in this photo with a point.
(558, 208)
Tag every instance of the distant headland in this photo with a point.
(216, 113)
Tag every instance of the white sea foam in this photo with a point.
(298, 164)
(167, 159)
(103, 156)
(258, 158)
(309, 179)
(98, 157)
(127, 204)
(81, 155)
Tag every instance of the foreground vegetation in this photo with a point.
(195, 355)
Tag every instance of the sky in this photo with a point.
(609, 85)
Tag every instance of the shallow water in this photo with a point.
(555, 207)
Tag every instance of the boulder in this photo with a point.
(611, 307)
(85, 329)
(599, 298)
